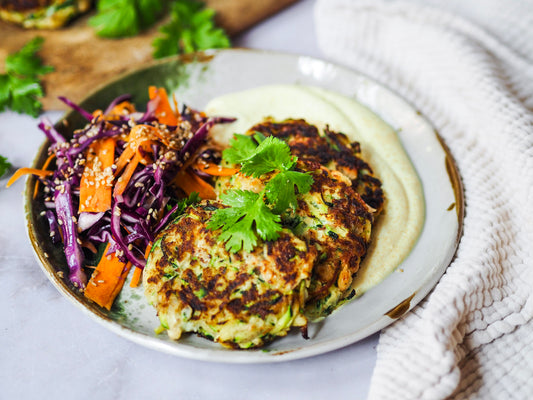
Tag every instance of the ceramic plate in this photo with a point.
(196, 80)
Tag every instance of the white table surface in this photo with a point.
(49, 349)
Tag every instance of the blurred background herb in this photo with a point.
(20, 85)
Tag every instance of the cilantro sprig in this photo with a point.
(191, 28)
(4, 165)
(123, 18)
(20, 85)
(249, 215)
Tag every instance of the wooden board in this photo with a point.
(83, 61)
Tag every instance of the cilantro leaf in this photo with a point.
(272, 154)
(246, 218)
(241, 148)
(280, 189)
(182, 204)
(122, 18)
(20, 86)
(26, 62)
(149, 12)
(191, 28)
(4, 165)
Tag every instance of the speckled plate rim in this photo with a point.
(397, 305)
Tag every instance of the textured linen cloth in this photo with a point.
(468, 66)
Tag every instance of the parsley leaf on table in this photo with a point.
(4, 165)
(191, 28)
(122, 18)
(20, 86)
(248, 216)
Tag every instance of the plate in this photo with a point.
(198, 78)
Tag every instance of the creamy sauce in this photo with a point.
(401, 221)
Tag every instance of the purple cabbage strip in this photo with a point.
(130, 224)
(116, 230)
(51, 133)
(54, 227)
(87, 219)
(201, 135)
(85, 114)
(117, 101)
(149, 114)
(66, 220)
(163, 221)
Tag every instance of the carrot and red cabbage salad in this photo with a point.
(118, 181)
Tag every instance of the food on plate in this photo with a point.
(42, 14)
(333, 150)
(332, 216)
(265, 212)
(240, 299)
(278, 215)
(112, 187)
(399, 225)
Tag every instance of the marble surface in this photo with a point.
(50, 349)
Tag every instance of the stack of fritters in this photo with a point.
(246, 299)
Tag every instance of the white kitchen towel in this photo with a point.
(468, 66)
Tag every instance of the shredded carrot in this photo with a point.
(25, 171)
(124, 158)
(107, 280)
(191, 182)
(44, 168)
(122, 182)
(164, 112)
(97, 113)
(120, 110)
(141, 136)
(96, 182)
(214, 169)
(89, 246)
(176, 108)
(136, 277)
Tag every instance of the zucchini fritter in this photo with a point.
(335, 216)
(240, 300)
(333, 219)
(42, 14)
(333, 150)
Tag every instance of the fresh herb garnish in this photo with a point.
(122, 18)
(20, 86)
(251, 215)
(4, 165)
(182, 204)
(191, 28)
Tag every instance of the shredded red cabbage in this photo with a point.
(148, 201)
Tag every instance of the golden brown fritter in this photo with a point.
(240, 300)
(42, 14)
(332, 150)
(333, 219)
(335, 216)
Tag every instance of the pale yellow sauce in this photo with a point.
(401, 222)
